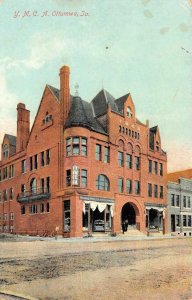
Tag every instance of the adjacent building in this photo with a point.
(83, 167)
(180, 202)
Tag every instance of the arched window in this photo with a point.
(33, 186)
(129, 112)
(102, 183)
(5, 151)
(157, 146)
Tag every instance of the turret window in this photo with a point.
(76, 146)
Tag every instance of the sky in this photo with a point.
(139, 46)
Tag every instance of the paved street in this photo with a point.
(109, 269)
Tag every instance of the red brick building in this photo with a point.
(83, 167)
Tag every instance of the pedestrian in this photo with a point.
(126, 224)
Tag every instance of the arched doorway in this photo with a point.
(128, 213)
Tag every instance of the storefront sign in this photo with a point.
(75, 175)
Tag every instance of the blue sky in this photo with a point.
(139, 46)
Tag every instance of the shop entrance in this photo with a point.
(128, 213)
(97, 217)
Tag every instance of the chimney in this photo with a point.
(23, 127)
(64, 93)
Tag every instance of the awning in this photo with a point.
(100, 205)
(161, 209)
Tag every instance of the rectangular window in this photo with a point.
(42, 159)
(5, 195)
(161, 192)
(129, 161)
(35, 161)
(67, 216)
(84, 146)
(5, 216)
(31, 163)
(137, 163)
(11, 195)
(184, 201)
(149, 189)
(47, 206)
(23, 189)
(83, 178)
(5, 173)
(0, 196)
(11, 171)
(48, 157)
(33, 209)
(98, 152)
(120, 185)
(68, 178)
(172, 199)
(23, 166)
(48, 184)
(155, 167)
(177, 220)
(12, 216)
(177, 201)
(23, 209)
(41, 207)
(42, 185)
(155, 190)
(189, 221)
(150, 166)
(161, 169)
(184, 221)
(137, 187)
(106, 155)
(120, 159)
(129, 186)
(76, 146)
(188, 202)
(68, 146)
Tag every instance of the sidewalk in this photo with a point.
(94, 239)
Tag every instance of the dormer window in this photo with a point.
(5, 151)
(47, 118)
(157, 146)
(129, 112)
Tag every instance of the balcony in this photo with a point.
(34, 195)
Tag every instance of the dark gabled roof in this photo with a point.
(153, 129)
(81, 114)
(55, 91)
(101, 102)
(12, 139)
(120, 102)
(85, 114)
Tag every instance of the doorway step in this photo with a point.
(132, 232)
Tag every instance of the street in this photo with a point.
(119, 269)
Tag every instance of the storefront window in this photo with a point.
(67, 216)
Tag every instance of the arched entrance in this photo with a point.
(128, 213)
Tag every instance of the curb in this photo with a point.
(16, 295)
